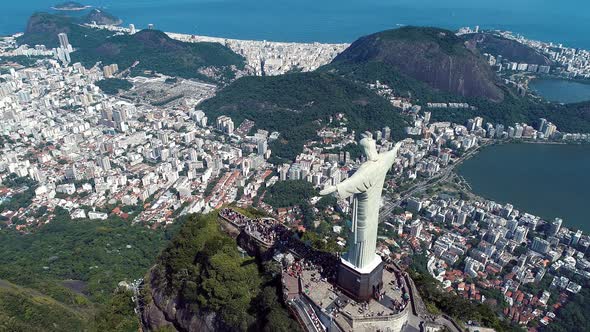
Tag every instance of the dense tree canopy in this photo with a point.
(71, 268)
(289, 193)
(293, 104)
(203, 267)
(112, 86)
(147, 50)
(451, 304)
(574, 315)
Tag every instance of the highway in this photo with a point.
(445, 174)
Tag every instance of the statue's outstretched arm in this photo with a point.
(328, 190)
(392, 154)
(355, 184)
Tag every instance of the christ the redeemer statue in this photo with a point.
(366, 185)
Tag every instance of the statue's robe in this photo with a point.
(366, 185)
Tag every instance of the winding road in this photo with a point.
(445, 174)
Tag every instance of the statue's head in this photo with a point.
(370, 148)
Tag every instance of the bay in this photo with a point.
(565, 21)
(548, 180)
(561, 90)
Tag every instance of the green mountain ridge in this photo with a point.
(433, 56)
(73, 268)
(368, 60)
(24, 309)
(155, 51)
(149, 50)
(201, 282)
(292, 104)
(43, 28)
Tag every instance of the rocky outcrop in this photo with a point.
(100, 17)
(432, 56)
(161, 310)
(510, 50)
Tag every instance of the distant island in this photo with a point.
(70, 6)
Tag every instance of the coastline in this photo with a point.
(215, 39)
(75, 9)
(263, 57)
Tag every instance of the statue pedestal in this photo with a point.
(361, 284)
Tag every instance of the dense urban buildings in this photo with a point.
(150, 154)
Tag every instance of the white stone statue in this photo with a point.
(366, 185)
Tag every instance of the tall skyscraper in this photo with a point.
(262, 147)
(64, 50)
(104, 162)
(576, 238)
(541, 246)
(542, 123)
(520, 234)
(416, 228)
(386, 133)
(225, 124)
(554, 227)
(63, 41)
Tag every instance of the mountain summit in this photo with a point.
(432, 56)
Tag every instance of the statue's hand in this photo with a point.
(328, 190)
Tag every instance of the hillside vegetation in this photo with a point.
(100, 17)
(289, 193)
(509, 49)
(43, 28)
(112, 86)
(432, 56)
(67, 272)
(147, 50)
(23, 309)
(203, 272)
(572, 316)
(410, 61)
(292, 103)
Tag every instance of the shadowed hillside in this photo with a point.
(432, 56)
(508, 49)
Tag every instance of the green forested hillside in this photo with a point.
(292, 103)
(152, 50)
(573, 316)
(24, 309)
(289, 193)
(513, 109)
(148, 50)
(433, 56)
(43, 28)
(433, 65)
(204, 269)
(112, 86)
(72, 268)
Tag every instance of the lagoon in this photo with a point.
(561, 90)
(548, 180)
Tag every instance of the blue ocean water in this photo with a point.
(565, 21)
